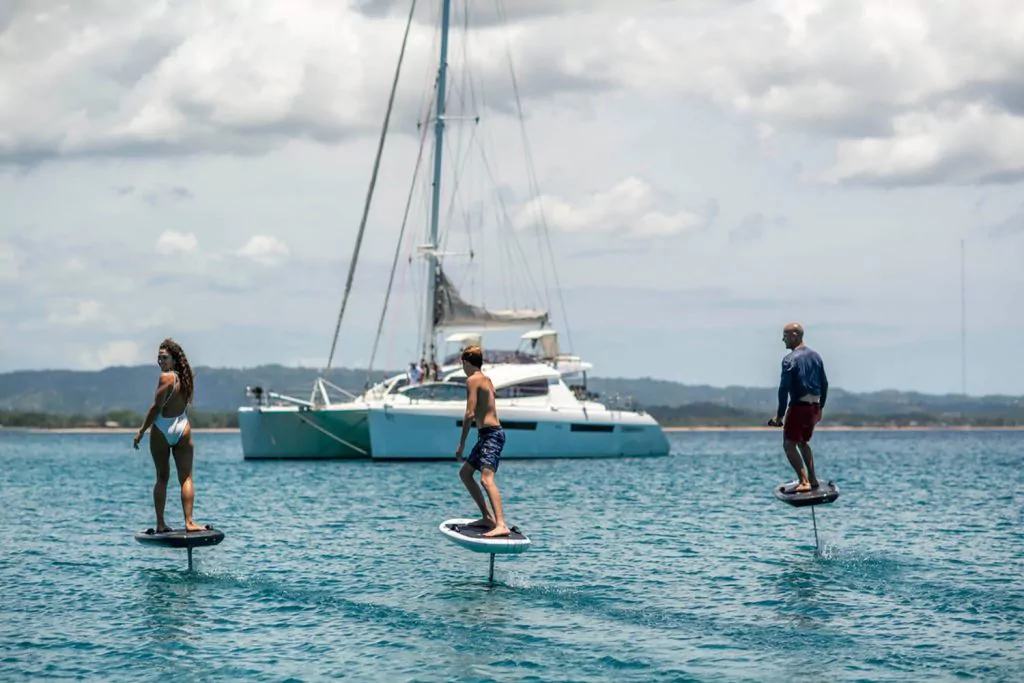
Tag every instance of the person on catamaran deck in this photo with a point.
(171, 433)
(804, 386)
(486, 454)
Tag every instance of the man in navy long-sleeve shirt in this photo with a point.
(804, 387)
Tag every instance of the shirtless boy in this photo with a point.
(486, 454)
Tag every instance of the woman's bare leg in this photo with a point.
(161, 453)
(183, 453)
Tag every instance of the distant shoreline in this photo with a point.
(834, 428)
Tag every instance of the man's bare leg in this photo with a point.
(161, 453)
(487, 479)
(183, 453)
(794, 460)
(808, 455)
(466, 474)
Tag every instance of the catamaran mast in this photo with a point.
(435, 209)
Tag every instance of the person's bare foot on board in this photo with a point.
(802, 487)
(498, 530)
(192, 526)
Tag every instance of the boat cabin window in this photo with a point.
(398, 384)
(533, 387)
(436, 391)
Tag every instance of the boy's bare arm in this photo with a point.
(472, 394)
(472, 386)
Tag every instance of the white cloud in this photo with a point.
(265, 250)
(972, 143)
(84, 312)
(236, 77)
(120, 352)
(172, 242)
(628, 208)
(178, 77)
(894, 87)
(912, 92)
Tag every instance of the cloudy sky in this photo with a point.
(707, 171)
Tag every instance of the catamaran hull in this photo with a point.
(432, 433)
(293, 432)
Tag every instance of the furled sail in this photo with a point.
(451, 310)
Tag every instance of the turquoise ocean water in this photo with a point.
(678, 568)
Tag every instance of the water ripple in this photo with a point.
(681, 568)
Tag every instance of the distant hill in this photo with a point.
(654, 392)
(73, 392)
(220, 390)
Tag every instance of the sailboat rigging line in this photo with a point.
(505, 221)
(505, 265)
(458, 153)
(401, 235)
(533, 178)
(502, 257)
(401, 300)
(458, 174)
(423, 206)
(470, 281)
(469, 89)
(330, 435)
(530, 171)
(425, 120)
(370, 189)
(469, 228)
(417, 277)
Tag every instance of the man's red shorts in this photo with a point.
(799, 423)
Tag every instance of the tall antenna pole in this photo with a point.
(963, 320)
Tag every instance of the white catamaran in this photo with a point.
(542, 398)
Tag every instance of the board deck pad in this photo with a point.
(180, 538)
(471, 537)
(478, 532)
(824, 494)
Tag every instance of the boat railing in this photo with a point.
(262, 397)
(620, 402)
(319, 396)
(340, 390)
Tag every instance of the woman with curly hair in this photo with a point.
(172, 433)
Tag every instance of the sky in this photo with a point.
(685, 179)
